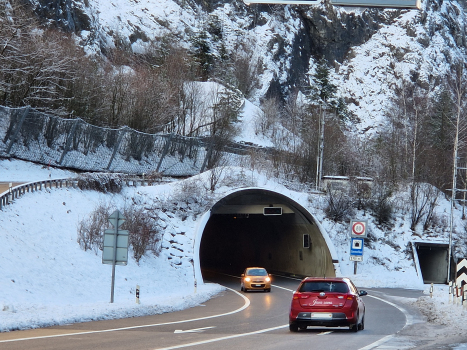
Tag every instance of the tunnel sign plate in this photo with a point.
(356, 247)
(356, 258)
(272, 211)
(358, 228)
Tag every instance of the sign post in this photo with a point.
(358, 234)
(115, 250)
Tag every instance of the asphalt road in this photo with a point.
(233, 320)
(4, 186)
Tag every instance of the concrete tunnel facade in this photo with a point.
(235, 234)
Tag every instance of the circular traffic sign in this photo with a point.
(358, 228)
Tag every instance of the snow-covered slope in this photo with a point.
(45, 272)
(417, 47)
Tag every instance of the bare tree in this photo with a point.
(143, 229)
(91, 229)
(36, 65)
(267, 121)
(423, 199)
(458, 85)
(339, 205)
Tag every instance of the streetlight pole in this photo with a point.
(319, 160)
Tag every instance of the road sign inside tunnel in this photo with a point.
(272, 211)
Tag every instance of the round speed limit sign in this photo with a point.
(359, 228)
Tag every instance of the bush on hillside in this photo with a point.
(382, 208)
(144, 233)
(339, 206)
(101, 182)
(91, 229)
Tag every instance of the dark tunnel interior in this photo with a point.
(233, 242)
(433, 260)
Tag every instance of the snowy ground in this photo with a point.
(47, 279)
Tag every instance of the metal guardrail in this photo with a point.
(11, 194)
(15, 192)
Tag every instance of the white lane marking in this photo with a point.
(377, 343)
(196, 330)
(290, 290)
(222, 338)
(408, 321)
(245, 305)
(325, 333)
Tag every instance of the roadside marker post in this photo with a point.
(450, 292)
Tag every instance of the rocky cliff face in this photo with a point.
(68, 15)
(289, 39)
(322, 32)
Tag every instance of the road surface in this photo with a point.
(232, 320)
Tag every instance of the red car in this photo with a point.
(328, 302)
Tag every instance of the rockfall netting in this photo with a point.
(72, 143)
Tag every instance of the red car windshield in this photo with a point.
(324, 286)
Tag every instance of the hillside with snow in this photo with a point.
(42, 226)
(376, 50)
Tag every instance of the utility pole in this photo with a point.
(319, 173)
(453, 195)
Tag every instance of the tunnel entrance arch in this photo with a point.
(235, 234)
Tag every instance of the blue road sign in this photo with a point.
(356, 246)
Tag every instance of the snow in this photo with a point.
(248, 115)
(48, 280)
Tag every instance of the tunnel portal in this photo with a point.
(238, 234)
(433, 262)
